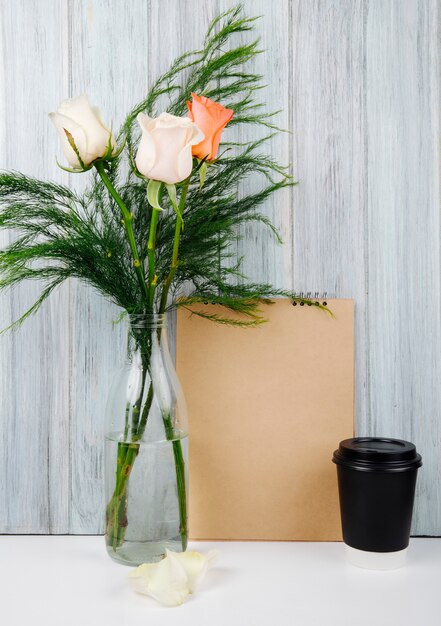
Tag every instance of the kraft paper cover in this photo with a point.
(267, 408)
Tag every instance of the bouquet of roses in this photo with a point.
(153, 231)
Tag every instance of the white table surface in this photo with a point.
(64, 581)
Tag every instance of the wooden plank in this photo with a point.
(176, 27)
(264, 259)
(34, 376)
(328, 151)
(404, 236)
(109, 61)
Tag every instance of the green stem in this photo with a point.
(175, 255)
(182, 494)
(128, 225)
(127, 453)
(151, 247)
(126, 421)
(176, 443)
(125, 461)
(145, 413)
(137, 408)
(180, 480)
(116, 511)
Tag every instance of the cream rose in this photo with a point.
(90, 136)
(164, 151)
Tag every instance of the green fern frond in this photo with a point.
(61, 234)
(34, 308)
(229, 321)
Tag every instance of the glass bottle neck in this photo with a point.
(148, 322)
(146, 334)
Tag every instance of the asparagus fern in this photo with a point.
(64, 234)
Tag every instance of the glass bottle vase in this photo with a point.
(146, 450)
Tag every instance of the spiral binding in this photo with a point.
(309, 295)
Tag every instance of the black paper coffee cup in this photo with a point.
(376, 483)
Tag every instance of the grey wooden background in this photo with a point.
(359, 82)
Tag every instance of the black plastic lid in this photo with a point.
(377, 454)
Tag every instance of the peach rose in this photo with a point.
(211, 117)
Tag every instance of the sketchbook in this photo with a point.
(267, 408)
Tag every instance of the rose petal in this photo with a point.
(196, 565)
(139, 577)
(169, 142)
(211, 117)
(165, 581)
(62, 122)
(144, 121)
(145, 157)
(164, 152)
(96, 134)
(89, 118)
(185, 159)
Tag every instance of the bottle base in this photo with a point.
(376, 560)
(134, 553)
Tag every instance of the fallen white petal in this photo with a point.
(165, 581)
(196, 565)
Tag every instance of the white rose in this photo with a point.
(83, 122)
(164, 152)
